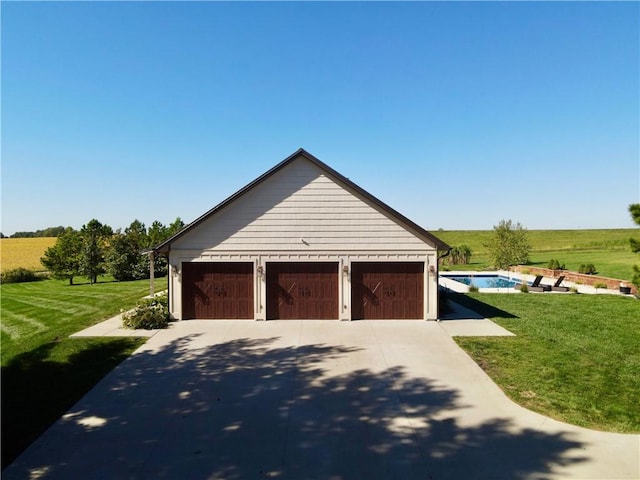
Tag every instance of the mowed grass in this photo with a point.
(39, 312)
(574, 358)
(607, 249)
(24, 252)
(44, 372)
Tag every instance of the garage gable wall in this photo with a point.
(300, 208)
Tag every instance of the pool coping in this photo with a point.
(459, 287)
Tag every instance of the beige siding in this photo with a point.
(299, 203)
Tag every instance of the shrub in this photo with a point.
(525, 271)
(460, 255)
(19, 275)
(149, 314)
(473, 288)
(554, 264)
(600, 285)
(524, 288)
(588, 269)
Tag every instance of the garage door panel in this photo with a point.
(387, 290)
(305, 290)
(217, 290)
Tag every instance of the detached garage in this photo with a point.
(303, 242)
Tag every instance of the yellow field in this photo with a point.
(23, 252)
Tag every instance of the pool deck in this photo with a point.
(459, 287)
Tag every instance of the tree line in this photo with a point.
(47, 232)
(97, 249)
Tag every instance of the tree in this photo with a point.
(509, 244)
(124, 258)
(157, 233)
(95, 238)
(63, 258)
(47, 232)
(175, 227)
(634, 210)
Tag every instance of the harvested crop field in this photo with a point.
(23, 252)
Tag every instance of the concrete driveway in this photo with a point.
(312, 399)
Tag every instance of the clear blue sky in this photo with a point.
(455, 114)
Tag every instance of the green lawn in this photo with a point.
(43, 371)
(575, 358)
(607, 249)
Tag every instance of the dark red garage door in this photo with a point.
(302, 290)
(217, 290)
(387, 290)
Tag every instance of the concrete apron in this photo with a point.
(312, 399)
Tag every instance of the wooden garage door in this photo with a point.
(217, 290)
(302, 290)
(387, 290)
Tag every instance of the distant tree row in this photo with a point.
(96, 249)
(47, 232)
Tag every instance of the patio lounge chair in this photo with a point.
(556, 286)
(536, 286)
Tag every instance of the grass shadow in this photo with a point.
(483, 310)
(38, 387)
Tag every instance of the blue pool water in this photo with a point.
(484, 281)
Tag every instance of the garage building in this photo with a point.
(303, 242)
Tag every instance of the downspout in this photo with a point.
(445, 254)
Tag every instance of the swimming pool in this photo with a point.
(484, 281)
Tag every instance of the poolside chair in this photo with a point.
(556, 286)
(536, 286)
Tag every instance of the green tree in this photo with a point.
(47, 232)
(509, 244)
(63, 258)
(95, 237)
(157, 233)
(124, 258)
(175, 227)
(634, 210)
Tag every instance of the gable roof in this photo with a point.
(165, 246)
